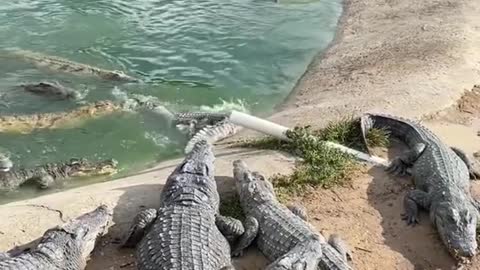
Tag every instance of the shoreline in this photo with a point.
(387, 55)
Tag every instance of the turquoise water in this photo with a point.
(206, 54)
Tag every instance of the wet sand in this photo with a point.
(406, 57)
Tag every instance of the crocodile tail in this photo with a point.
(366, 123)
(212, 133)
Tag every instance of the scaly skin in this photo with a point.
(51, 89)
(212, 132)
(30, 122)
(182, 233)
(66, 247)
(283, 236)
(441, 176)
(58, 64)
(48, 174)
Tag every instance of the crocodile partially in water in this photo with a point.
(51, 89)
(58, 64)
(54, 173)
(65, 247)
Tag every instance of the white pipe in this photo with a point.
(278, 131)
(258, 124)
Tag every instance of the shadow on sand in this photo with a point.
(420, 244)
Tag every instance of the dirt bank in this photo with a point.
(412, 58)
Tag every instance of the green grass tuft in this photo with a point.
(322, 166)
(230, 206)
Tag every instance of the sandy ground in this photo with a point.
(407, 57)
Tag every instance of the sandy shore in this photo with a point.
(411, 58)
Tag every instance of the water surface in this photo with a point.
(208, 54)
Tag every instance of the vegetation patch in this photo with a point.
(321, 166)
(230, 206)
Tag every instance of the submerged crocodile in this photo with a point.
(47, 175)
(441, 176)
(183, 232)
(63, 65)
(283, 235)
(66, 247)
(51, 89)
(30, 122)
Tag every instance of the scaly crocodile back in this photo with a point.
(184, 235)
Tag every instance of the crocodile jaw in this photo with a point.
(456, 225)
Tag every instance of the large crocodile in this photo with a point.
(52, 89)
(28, 122)
(183, 233)
(66, 247)
(441, 176)
(48, 174)
(63, 65)
(284, 236)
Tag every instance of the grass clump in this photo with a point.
(230, 206)
(321, 166)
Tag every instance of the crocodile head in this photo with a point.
(117, 75)
(5, 164)
(193, 181)
(456, 223)
(251, 186)
(83, 167)
(87, 228)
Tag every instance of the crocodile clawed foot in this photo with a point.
(397, 168)
(412, 220)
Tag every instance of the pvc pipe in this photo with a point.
(260, 125)
(279, 132)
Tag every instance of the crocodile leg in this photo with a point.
(412, 200)
(140, 225)
(251, 230)
(473, 170)
(231, 228)
(399, 165)
(299, 211)
(304, 256)
(230, 267)
(336, 242)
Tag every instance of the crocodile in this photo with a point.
(211, 131)
(65, 247)
(48, 174)
(284, 236)
(63, 65)
(5, 163)
(183, 232)
(53, 89)
(27, 123)
(441, 177)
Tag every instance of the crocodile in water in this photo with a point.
(441, 176)
(47, 175)
(51, 89)
(66, 247)
(284, 236)
(27, 123)
(183, 232)
(63, 65)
